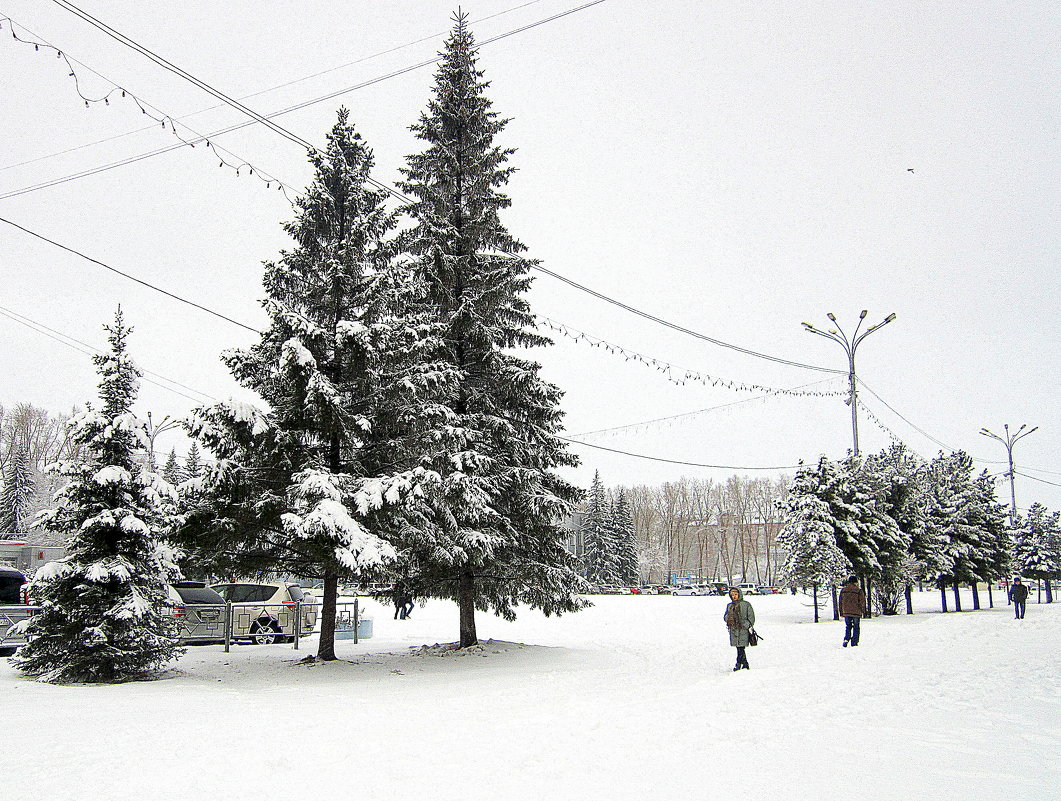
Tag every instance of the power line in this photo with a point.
(88, 350)
(169, 65)
(130, 277)
(1040, 480)
(674, 461)
(683, 414)
(259, 92)
(395, 193)
(159, 116)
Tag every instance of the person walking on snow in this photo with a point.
(1018, 593)
(739, 617)
(852, 608)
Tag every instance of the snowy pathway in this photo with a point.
(629, 700)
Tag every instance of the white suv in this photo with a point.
(265, 611)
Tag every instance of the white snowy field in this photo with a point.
(631, 699)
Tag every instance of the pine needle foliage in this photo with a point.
(492, 538)
(105, 615)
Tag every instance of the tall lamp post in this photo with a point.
(850, 345)
(1009, 441)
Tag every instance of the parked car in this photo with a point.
(687, 589)
(748, 589)
(264, 612)
(200, 610)
(720, 587)
(12, 596)
(766, 589)
(632, 591)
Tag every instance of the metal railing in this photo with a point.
(262, 623)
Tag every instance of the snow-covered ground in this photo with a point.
(632, 699)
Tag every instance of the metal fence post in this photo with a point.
(355, 621)
(228, 625)
(298, 622)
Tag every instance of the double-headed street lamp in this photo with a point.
(849, 346)
(1009, 441)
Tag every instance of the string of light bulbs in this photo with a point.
(226, 157)
(680, 376)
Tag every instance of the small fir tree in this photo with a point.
(193, 463)
(172, 471)
(622, 524)
(600, 557)
(104, 606)
(20, 489)
(1036, 547)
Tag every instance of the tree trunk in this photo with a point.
(990, 594)
(815, 603)
(466, 599)
(957, 597)
(943, 594)
(836, 605)
(1049, 591)
(867, 587)
(976, 596)
(908, 592)
(326, 646)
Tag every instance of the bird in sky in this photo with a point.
(909, 169)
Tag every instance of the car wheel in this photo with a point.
(265, 632)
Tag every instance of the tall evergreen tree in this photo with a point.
(622, 525)
(809, 533)
(496, 538)
(600, 557)
(20, 488)
(314, 484)
(103, 615)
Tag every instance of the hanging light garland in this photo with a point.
(226, 158)
(681, 376)
(877, 422)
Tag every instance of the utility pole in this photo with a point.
(1009, 441)
(850, 345)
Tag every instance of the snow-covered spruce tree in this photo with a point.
(104, 615)
(966, 521)
(1036, 547)
(313, 484)
(495, 538)
(622, 525)
(600, 555)
(193, 463)
(20, 489)
(808, 535)
(172, 471)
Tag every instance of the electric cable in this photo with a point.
(1033, 478)
(88, 350)
(130, 277)
(674, 461)
(260, 91)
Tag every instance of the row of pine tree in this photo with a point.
(896, 520)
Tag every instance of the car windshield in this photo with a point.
(246, 593)
(296, 592)
(10, 583)
(198, 595)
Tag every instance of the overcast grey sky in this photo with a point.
(736, 168)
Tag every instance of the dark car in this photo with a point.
(200, 610)
(12, 594)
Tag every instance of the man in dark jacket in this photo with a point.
(852, 608)
(1018, 593)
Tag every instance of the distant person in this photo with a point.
(1018, 593)
(852, 609)
(403, 604)
(739, 617)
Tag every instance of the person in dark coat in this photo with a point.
(852, 608)
(1018, 593)
(739, 617)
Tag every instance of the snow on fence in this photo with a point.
(259, 623)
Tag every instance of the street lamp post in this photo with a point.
(1009, 441)
(850, 345)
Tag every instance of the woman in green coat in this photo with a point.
(739, 617)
